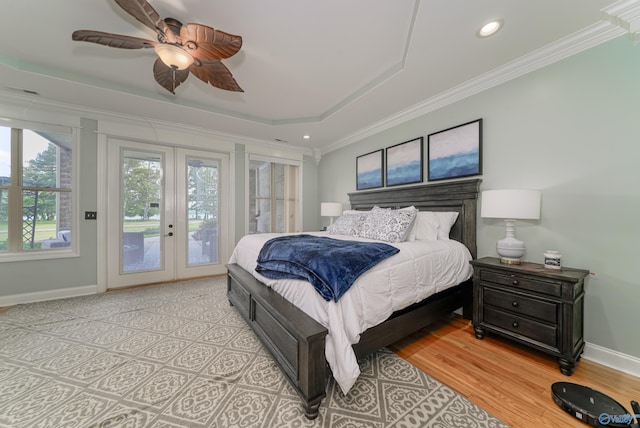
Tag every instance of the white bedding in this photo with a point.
(420, 269)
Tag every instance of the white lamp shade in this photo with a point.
(330, 209)
(173, 56)
(511, 204)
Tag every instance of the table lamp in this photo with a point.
(331, 209)
(511, 205)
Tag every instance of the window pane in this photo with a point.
(46, 159)
(260, 179)
(46, 223)
(262, 217)
(280, 216)
(202, 210)
(5, 156)
(4, 220)
(279, 179)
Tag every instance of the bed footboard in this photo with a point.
(295, 340)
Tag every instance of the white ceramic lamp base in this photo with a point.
(510, 249)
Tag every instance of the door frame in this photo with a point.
(182, 269)
(226, 244)
(167, 243)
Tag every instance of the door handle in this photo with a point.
(169, 234)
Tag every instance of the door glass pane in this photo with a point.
(141, 180)
(202, 211)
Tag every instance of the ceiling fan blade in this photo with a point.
(112, 40)
(142, 11)
(168, 77)
(208, 44)
(174, 25)
(215, 73)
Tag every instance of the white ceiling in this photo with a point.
(334, 69)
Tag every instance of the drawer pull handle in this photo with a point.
(514, 304)
(515, 325)
(515, 282)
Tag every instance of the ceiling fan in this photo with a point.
(181, 48)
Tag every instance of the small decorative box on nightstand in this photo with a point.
(539, 307)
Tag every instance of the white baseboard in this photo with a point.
(612, 359)
(39, 296)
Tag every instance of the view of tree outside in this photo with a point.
(45, 188)
(142, 184)
(41, 172)
(202, 208)
(47, 165)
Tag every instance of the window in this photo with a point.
(273, 195)
(36, 200)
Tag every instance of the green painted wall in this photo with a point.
(310, 204)
(572, 130)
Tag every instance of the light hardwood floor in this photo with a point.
(510, 381)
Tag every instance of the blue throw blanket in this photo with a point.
(330, 265)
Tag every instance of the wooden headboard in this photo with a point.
(460, 196)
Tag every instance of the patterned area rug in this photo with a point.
(179, 356)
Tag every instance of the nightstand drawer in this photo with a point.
(545, 311)
(545, 286)
(533, 330)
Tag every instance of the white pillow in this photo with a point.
(425, 227)
(385, 224)
(444, 220)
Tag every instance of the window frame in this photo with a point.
(273, 198)
(15, 252)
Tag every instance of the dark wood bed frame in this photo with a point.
(297, 341)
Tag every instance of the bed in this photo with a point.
(298, 342)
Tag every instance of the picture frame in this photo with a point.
(455, 152)
(404, 163)
(369, 170)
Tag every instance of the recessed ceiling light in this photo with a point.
(306, 137)
(490, 28)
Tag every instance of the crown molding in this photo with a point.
(591, 36)
(625, 14)
(18, 106)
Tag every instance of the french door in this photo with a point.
(167, 213)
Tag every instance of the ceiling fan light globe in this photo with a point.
(173, 56)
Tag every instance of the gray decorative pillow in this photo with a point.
(348, 224)
(385, 224)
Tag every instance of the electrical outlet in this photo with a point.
(90, 215)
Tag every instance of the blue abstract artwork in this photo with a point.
(404, 163)
(369, 170)
(456, 152)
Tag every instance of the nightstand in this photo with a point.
(539, 307)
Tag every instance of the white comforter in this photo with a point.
(420, 269)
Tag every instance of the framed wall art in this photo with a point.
(455, 152)
(369, 170)
(404, 163)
